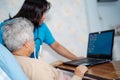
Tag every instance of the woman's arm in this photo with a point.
(63, 51)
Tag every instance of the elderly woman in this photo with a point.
(18, 38)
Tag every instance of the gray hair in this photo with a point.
(17, 32)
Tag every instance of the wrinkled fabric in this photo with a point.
(39, 70)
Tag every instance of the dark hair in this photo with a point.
(33, 10)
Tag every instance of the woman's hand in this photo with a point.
(81, 57)
(80, 71)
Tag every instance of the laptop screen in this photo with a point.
(100, 44)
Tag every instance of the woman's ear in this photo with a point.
(29, 46)
(29, 43)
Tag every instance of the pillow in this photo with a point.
(3, 75)
(10, 66)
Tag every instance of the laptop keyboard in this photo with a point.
(92, 60)
(89, 60)
(86, 62)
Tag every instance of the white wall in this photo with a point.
(109, 14)
(93, 17)
(9, 7)
(102, 15)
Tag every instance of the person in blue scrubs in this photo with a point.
(34, 10)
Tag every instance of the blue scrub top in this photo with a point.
(41, 35)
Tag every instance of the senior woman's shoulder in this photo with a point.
(37, 69)
(32, 61)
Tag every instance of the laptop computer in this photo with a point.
(100, 45)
